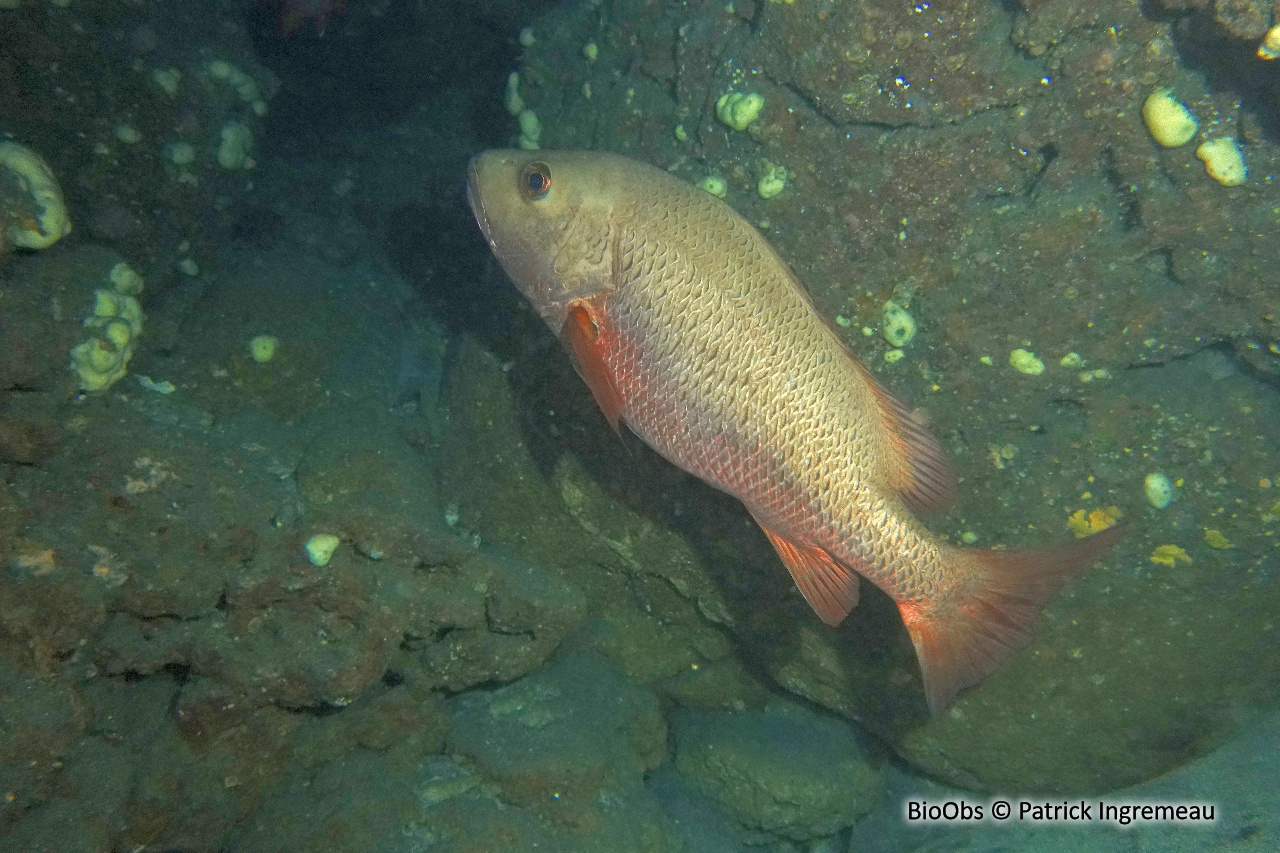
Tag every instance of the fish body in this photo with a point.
(690, 329)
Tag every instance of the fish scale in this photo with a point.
(794, 395)
(689, 328)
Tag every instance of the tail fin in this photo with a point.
(961, 642)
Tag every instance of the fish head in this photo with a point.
(548, 216)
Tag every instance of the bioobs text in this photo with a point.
(951, 810)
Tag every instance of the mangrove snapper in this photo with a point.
(689, 328)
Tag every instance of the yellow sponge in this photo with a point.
(32, 212)
(115, 321)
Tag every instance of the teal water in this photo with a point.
(534, 633)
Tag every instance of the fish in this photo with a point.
(688, 328)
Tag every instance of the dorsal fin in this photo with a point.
(583, 336)
(924, 478)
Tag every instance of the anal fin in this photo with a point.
(830, 587)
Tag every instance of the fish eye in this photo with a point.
(535, 181)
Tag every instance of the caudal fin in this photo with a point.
(962, 641)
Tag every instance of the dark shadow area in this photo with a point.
(436, 245)
(1230, 65)
(368, 70)
(256, 226)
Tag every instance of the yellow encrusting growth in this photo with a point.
(739, 109)
(1215, 539)
(1169, 555)
(1158, 489)
(115, 321)
(530, 130)
(896, 324)
(772, 182)
(715, 185)
(511, 95)
(1270, 47)
(320, 548)
(1224, 161)
(1083, 525)
(262, 348)
(1025, 361)
(32, 212)
(1170, 123)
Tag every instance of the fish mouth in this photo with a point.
(475, 201)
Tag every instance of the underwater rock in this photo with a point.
(27, 442)
(654, 605)
(572, 745)
(361, 480)
(39, 720)
(780, 771)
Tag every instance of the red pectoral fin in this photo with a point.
(830, 587)
(584, 336)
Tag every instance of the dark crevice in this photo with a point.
(1221, 346)
(370, 70)
(442, 633)
(884, 126)
(157, 617)
(946, 125)
(527, 633)
(1130, 209)
(477, 687)
(412, 642)
(131, 676)
(1047, 154)
(1249, 369)
(809, 102)
(1014, 13)
(178, 671)
(1165, 255)
(1012, 9)
(321, 708)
